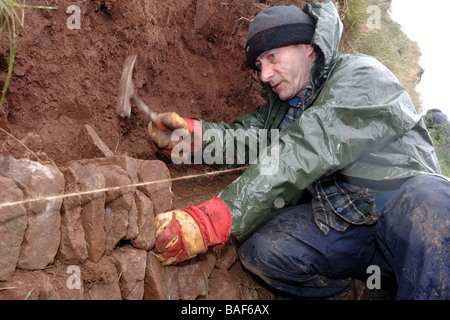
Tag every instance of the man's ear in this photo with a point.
(310, 48)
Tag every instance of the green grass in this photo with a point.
(439, 134)
(12, 15)
(388, 43)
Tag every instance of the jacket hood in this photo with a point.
(327, 36)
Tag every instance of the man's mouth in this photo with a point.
(275, 86)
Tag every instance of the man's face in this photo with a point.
(286, 69)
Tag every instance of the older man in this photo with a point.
(357, 180)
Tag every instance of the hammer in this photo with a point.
(126, 92)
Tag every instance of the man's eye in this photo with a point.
(271, 57)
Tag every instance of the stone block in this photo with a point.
(145, 238)
(13, 222)
(101, 279)
(130, 263)
(42, 236)
(118, 204)
(88, 178)
(188, 280)
(222, 286)
(92, 146)
(159, 187)
(154, 288)
(73, 247)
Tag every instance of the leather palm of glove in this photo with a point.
(171, 121)
(182, 234)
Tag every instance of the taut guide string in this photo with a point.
(82, 193)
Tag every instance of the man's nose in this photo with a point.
(266, 72)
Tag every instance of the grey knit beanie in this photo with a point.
(276, 27)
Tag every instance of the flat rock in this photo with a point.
(130, 263)
(42, 235)
(88, 178)
(73, 247)
(13, 223)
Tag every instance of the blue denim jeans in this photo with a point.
(410, 242)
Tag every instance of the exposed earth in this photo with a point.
(190, 60)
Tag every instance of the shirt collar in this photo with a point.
(294, 102)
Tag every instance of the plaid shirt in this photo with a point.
(336, 203)
(297, 107)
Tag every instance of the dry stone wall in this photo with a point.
(86, 231)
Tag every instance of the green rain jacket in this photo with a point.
(360, 123)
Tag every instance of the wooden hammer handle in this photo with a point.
(149, 112)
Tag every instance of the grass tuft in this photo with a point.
(12, 15)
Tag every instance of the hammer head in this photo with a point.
(126, 87)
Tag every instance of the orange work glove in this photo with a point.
(161, 133)
(182, 234)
